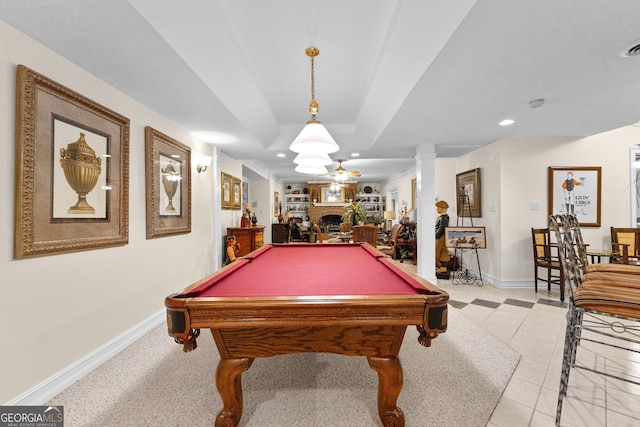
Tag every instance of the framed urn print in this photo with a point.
(468, 194)
(168, 173)
(226, 182)
(72, 170)
(237, 193)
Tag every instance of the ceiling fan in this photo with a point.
(341, 174)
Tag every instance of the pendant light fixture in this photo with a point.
(314, 142)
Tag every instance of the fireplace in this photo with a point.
(330, 223)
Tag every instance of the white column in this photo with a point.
(217, 211)
(426, 217)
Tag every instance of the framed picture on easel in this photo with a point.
(468, 194)
(465, 237)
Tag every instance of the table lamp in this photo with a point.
(388, 217)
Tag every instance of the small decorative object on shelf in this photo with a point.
(254, 219)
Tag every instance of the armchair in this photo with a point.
(625, 244)
(366, 233)
(546, 259)
(391, 248)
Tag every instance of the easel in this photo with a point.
(463, 276)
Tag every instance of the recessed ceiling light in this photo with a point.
(213, 137)
(355, 154)
(506, 122)
(281, 155)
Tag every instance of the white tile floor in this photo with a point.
(537, 333)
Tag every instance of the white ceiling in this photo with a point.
(391, 75)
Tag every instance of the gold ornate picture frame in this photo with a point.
(226, 184)
(468, 194)
(237, 193)
(72, 170)
(168, 181)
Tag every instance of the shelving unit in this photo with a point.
(370, 199)
(297, 204)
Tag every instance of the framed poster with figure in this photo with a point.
(72, 170)
(576, 190)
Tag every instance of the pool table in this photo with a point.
(348, 299)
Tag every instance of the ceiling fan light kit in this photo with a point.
(314, 140)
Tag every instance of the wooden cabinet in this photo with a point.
(250, 238)
(279, 233)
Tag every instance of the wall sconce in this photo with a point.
(203, 163)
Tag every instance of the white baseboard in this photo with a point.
(54, 385)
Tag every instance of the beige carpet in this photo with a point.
(456, 382)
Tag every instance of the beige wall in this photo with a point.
(514, 173)
(58, 309)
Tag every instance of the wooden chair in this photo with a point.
(546, 259)
(391, 248)
(366, 233)
(318, 231)
(604, 300)
(346, 227)
(625, 243)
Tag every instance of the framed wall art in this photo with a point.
(576, 190)
(168, 193)
(276, 203)
(226, 183)
(327, 195)
(414, 193)
(468, 194)
(465, 237)
(237, 193)
(72, 170)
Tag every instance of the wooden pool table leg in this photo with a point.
(389, 385)
(229, 384)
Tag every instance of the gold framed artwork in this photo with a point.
(168, 192)
(576, 190)
(468, 194)
(72, 170)
(414, 193)
(237, 193)
(226, 182)
(327, 195)
(276, 203)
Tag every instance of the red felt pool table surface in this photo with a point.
(310, 270)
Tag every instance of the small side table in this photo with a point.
(599, 253)
(413, 248)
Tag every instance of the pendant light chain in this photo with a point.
(313, 78)
(314, 107)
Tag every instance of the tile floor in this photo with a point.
(534, 324)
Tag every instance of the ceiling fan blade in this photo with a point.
(354, 173)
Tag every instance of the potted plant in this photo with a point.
(354, 214)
